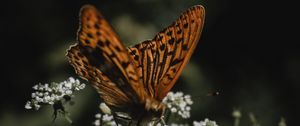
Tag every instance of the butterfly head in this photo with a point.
(150, 112)
(155, 111)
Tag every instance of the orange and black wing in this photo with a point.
(102, 59)
(109, 91)
(161, 60)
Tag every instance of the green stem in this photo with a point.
(67, 117)
(236, 121)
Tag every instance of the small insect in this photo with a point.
(134, 80)
(215, 93)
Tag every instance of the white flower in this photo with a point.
(107, 117)
(173, 110)
(46, 86)
(38, 99)
(47, 98)
(28, 105)
(98, 116)
(40, 87)
(82, 86)
(33, 95)
(46, 93)
(179, 103)
(206, 122)
(68, 85)
(49, 90)
(104, 120)
(37, 106)
(104, 108)
(188, 101)
(50, 102)
(35, 87)
(72, 80)
(97, 122)
(40, 94)
(188, 108)
(49, 94)
(68, 92)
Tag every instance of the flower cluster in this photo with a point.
(179, 103)
(206, 122)
(104, 120)
(51, 93)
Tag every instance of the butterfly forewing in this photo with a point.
(161, 60)
(104, 53)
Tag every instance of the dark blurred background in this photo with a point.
(248, 52)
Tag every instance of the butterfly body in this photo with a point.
(150, 111)
(134, 80)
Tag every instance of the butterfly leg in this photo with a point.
(162, 117)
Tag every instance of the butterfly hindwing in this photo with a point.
(161, 60)
(108, 90)
(104, 53)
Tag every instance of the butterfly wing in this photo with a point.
(109, 91)
(102, 59)
(161, 60)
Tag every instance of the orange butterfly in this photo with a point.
(134, 80)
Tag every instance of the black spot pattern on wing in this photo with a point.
(161, 60)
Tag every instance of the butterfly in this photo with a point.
(134, 80)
